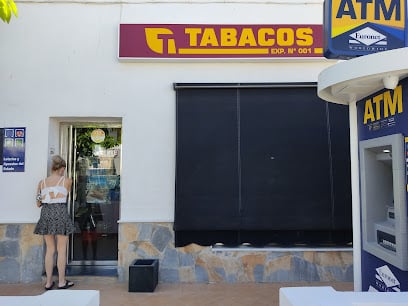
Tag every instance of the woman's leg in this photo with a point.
(62, 242)
(49, 258)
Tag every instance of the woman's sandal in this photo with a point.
(50, 287)
(67, 285)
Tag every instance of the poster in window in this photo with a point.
(13, 149)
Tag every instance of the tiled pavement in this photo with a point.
(113, 293)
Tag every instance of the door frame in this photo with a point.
(67, 138)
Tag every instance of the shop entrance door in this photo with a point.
(93, 154)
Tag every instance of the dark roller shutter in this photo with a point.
(262, 164)
(207, 166)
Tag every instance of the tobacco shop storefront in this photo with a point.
(202, 144)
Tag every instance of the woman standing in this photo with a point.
(55, 223)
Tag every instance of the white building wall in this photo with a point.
(58, 60)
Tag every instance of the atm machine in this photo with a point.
(382, 120)
(373, 81)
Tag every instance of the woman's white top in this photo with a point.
(54, 194)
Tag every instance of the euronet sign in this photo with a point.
(219, 41)
(360, 27)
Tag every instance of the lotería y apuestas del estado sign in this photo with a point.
(158, 41)
(360, 27)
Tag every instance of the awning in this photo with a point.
(354, 79)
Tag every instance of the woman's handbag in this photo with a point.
(39, 198)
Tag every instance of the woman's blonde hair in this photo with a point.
(58, 162)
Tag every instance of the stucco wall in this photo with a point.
(59, 63)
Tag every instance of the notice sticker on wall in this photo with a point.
(14, 149)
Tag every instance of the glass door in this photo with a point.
(94, 163)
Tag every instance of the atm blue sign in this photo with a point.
(360, 27)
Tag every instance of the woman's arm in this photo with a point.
(68, 184)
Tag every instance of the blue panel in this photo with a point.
(380, 114)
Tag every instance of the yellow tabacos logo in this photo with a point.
(383, 105)
(218, 41)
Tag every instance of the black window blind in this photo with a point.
(261, 165)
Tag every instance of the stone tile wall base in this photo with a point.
(197, 264)
(21, 254)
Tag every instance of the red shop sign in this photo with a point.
(219, 41)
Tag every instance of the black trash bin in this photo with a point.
(143, 275)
